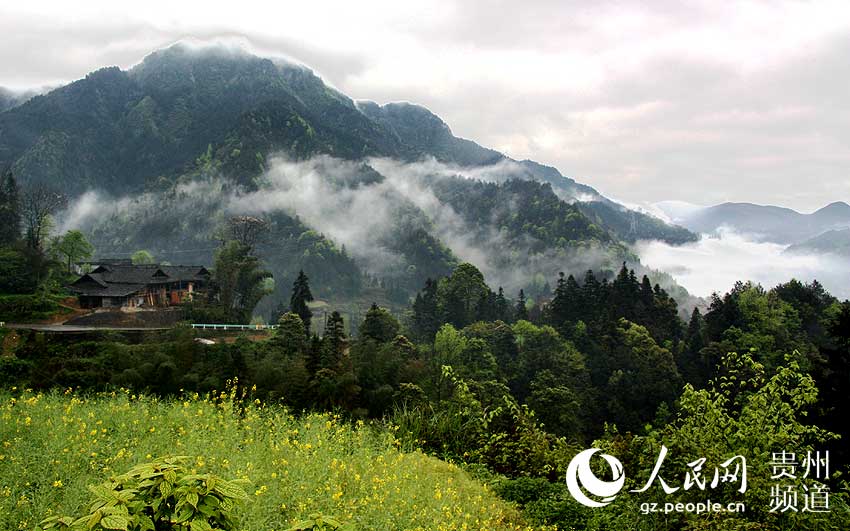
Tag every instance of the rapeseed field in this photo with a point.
(54, 445)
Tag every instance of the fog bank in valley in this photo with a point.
(716, 263)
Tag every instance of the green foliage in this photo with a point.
(379, 325)
(27, 307)
(158, 494)
(290, 335)
(743, 412)
(536, 213)
(16, 274)
(317, 522)
(301, 295)
(73, 247)
(642, 376)
(239, 281)
(10, 210)
(630, 225)
(482, 423)
(142, 257)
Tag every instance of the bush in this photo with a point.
(544, 502)
(158, 495)
(26, 307)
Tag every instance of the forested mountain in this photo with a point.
(152, 140)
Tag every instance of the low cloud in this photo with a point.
(359, 204)
(716, 263)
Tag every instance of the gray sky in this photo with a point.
(701, 101)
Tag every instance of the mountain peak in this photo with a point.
(836, 206)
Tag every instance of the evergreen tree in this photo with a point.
(426, 313)
(289, 338)
(334, 342)
(486, 310)
(723, 313)
(464, 293)
(10, 210)
(379, 325)
(503, 308)
(624, 292)
(560, 304)
(521, 312)
(590, 296)
(300, 297)
(647, 296)
(691, 363)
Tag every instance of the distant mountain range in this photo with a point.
(761, 222)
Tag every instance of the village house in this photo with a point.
(122, 284)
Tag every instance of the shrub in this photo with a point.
(158, 495)
(30, 307)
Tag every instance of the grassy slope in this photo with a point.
(53, 446)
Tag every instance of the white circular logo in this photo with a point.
(579, 475)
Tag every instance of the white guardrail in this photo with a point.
(204, 326)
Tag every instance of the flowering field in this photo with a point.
(53, 446)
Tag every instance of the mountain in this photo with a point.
(830, 242)
(124, 131)
(362, 195)
(768, 223)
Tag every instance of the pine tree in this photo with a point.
(334, 342)
(379, 325)
(10, 210)
(625, 289)
(503, 309)
(426, 314)
(300, 297)
(590, 296)
(559, 306)
(521, 313)
(694, 337)
(289, 338)
(646, 294)
(692, 366)
(646, 311)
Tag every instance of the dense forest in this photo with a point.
(474, 375)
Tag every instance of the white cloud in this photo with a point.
(715, 264)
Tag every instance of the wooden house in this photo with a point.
(120, 284)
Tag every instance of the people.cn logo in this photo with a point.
(580, 478)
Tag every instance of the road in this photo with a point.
(60, 328)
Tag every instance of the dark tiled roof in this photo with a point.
(116, 280)
(112, 274)
(180, 272)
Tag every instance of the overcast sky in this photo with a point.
(647, 101)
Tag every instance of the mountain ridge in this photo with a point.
(768, 222)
